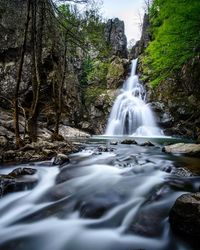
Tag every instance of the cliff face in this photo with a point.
(12, 25)
(176, 100)
(142, 44)
(115, 37)
(108, 75)
(83, 108)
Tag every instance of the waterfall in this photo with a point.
(130, 114)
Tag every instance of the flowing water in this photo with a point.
(130, 114)
(116, 199)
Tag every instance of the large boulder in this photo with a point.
(184, 216)
(183, 148)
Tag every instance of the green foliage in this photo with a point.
(92, 93)
(84, 28)
(87, 68)
(175, 28)
(115, 70)
(98, 72)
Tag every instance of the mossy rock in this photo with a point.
(92, 93)
(98, 73)
(116, 72)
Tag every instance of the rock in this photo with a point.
(183, 148)
(3, 141)
(147, 144)
(17, 180)
(6, 133)
(61, 159)
(22, 171)
(98, 109)
(184, 216)
(67, 132)
(113, 143)
(139, 47)
(129, 142)
(104, 149)
(12, 24)
(95, 206)
(115, 36)
(38, 151)
(117, 72)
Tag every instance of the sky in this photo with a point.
(130, 11)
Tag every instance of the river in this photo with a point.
(109, 197)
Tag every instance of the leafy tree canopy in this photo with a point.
(175, 29)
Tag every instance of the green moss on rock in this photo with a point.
(92, 93)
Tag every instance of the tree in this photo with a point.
(38, 12)
(175, 37)
(19, 75)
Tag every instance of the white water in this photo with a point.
(62, 211)
(130, 114)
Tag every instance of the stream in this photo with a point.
(109, 197)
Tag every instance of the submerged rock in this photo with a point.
(183, 148)
(184, 216)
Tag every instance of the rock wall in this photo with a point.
(101, 93)
(12, 25)
(115, 36)
(176, 100)
(142, 44)
(77, 111)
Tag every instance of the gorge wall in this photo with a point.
(176, 100)
(85, 107)
(12, 23)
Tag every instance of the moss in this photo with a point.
(115, 70)
(98, 73)
(93, 93)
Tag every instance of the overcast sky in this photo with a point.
(128, 11)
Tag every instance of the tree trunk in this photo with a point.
(37, 37)
(19, 76)
(60, 90)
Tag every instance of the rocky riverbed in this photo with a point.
(119, 191)
(43, 149)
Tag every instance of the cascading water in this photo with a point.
(130, 114)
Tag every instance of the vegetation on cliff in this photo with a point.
(175, 37)
(57, 37)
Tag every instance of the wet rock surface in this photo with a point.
(17, 180)
(184, 216)
(183, 148)
(37, 151)
(147, 144)
(43, 149)
(129, 142)
(61, 159)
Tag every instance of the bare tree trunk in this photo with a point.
(19, 76)
(37, 37)
(58, 105)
